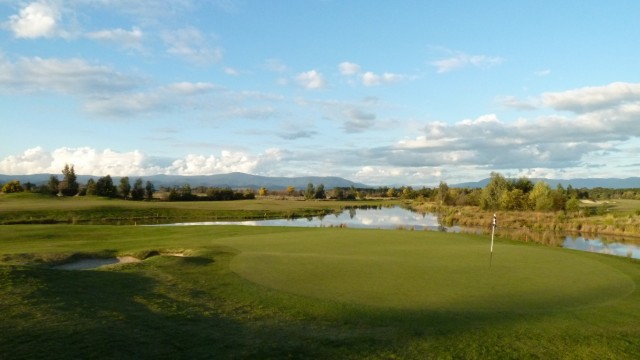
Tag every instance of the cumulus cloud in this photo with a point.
(37, 19)
(372, 79)
(90, 161)
(348, 68)
(369, 78)
(191, 45)
(543, 142)
(588, 99)
(312, 80)
(461, 60)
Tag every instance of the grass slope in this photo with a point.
(247, 292)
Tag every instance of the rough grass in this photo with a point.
(248, 292)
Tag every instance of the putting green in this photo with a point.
(428, 270)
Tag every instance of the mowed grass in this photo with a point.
(32, 208)
(250, 292)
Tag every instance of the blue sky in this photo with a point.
(379, 92)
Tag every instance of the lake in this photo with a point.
(401, 218)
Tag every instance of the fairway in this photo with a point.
(419, 270)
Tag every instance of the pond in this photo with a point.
(370, 218)
(401, 218)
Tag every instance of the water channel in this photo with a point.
(400, 218)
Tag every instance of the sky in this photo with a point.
(378, 92)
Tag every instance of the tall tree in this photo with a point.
(69, 185)
(149, 189)
(490, 198)
(137, 193)
(105, 187)
(124, 187)
(443, 193)
(541, 197)
(91, 187)
(320, 193)
(53, 184)
(311, 192)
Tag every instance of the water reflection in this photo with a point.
(369, 218)
(401, 218)
(599, 246)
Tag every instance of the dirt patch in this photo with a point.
(86, 264)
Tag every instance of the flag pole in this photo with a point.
(493, 230)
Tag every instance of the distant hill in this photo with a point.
(235, 180)
(579, 183)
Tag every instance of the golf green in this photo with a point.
(426, 270)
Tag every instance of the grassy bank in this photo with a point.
(250, 292)
(32, 208)
(619, 218)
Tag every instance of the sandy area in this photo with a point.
(85, 264)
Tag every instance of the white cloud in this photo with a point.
(90, 161)
(126, 39)
(154, 101)
(515, 103)
(544, 142)
(312, 80)
(589, 99)
(372, 79)
(68, 76)
(191, 45)
(38, 19)
(348, 68)
(461, 60)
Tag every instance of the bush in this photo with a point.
(12, 187)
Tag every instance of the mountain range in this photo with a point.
(237, 180)
(578, 183)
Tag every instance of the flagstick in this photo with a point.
(493, 230)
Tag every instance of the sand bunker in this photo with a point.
(85, 264)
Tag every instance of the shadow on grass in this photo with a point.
(194, 307)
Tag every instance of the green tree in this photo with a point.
(125, 187)
(573, 205)
(490, 198)
(52, 185)
(137, 193)
(69, 185)
(320, 193)
(310, 193)
(512, 200)
(408, 193)
(541, 197)
(523, 184)
(559, 198)
(91, 187)
(186, 193)
(105, 187)
(149, 189)
(442, 195)
(12, 187)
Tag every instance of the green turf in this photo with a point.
(428, 271)
(249, 292)
(31, 208)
